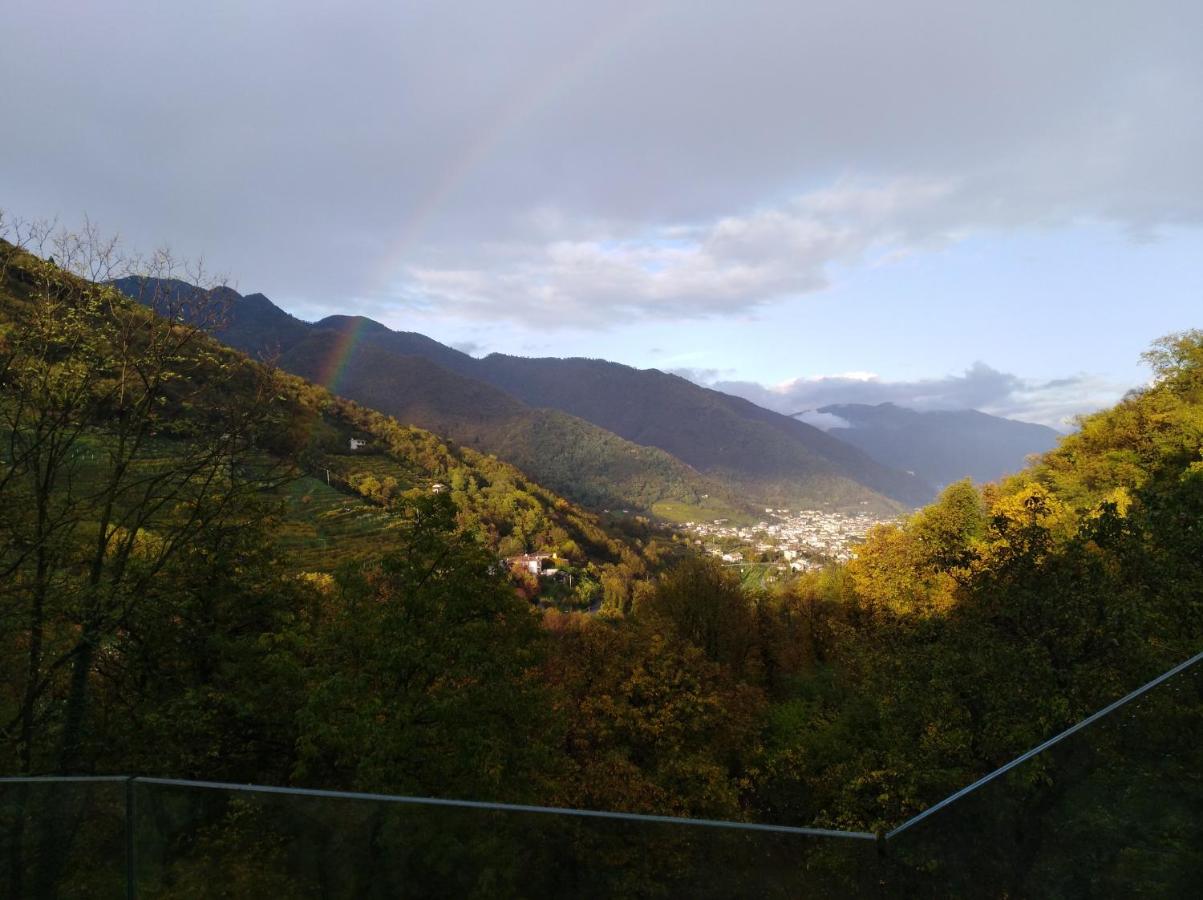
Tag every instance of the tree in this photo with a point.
(652, 724)
(706, 605)
(421, 673)
(130, 436)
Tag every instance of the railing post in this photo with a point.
(131, 868)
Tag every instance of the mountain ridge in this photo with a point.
(336, 491)
(479, 415)
(941, 446)
(712, 443)
(721, 433)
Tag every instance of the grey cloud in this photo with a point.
(589, 161)
(702, 376)
(825, 421)
(980, 387)
(736, 263)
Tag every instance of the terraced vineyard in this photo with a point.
(323, 526)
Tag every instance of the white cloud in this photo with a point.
(1053, 403)
(825, 421)
(576, 162)
(843, 376)
(733, 264)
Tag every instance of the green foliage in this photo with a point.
(130, 442)
(420, 671)
(200, 579)
(987, 623)
(569, 455)
(652, 725)
(151, 484)
(706, 605)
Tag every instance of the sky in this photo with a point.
(940, 204)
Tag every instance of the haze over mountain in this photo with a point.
(940, 446)
(604, 433)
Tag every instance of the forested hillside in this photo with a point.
(997, 617)
(712, 446)
(569, 455)
(156, 617)
(770, 456)
(513, 513)
(150, 472)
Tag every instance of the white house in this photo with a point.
(357, 443)
(532, 562)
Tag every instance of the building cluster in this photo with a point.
(533, 563)
(789, 540)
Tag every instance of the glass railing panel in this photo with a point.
(1113, 810)
(62, 838)
(258, 843)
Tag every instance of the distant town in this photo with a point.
(786, 540)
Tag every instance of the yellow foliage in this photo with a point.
(322, 582)
(1032, 504)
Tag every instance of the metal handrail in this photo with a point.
(509, 807)
(132, 780)
(463, 804)
(34, 779)
(1002, 770)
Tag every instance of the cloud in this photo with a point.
(699, 375)
(1050, 402)
(582, 163)
(825, 421)
(734, 264)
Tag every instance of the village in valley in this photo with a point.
(784, 540)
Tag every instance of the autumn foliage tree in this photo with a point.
(130, 437)
(421, 673)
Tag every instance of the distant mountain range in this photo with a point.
(765, 454)
(601, 433)
(940, 446)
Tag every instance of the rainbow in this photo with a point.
(332, 368)
(508, 120)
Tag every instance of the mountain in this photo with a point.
(941, 446)
(767, 454)
(402, 343)
(250, 323)
(602, 433)
(336, 502)
(417, 380)
(565, 453)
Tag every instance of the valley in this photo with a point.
(228, 571)
(524, 451)
(787, 542)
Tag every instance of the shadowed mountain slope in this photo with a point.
(335, 504)
(942, 446)
(768, 453)
(603, 433)
(250, 323)
(565, 453)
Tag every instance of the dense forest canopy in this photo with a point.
(155, 617)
